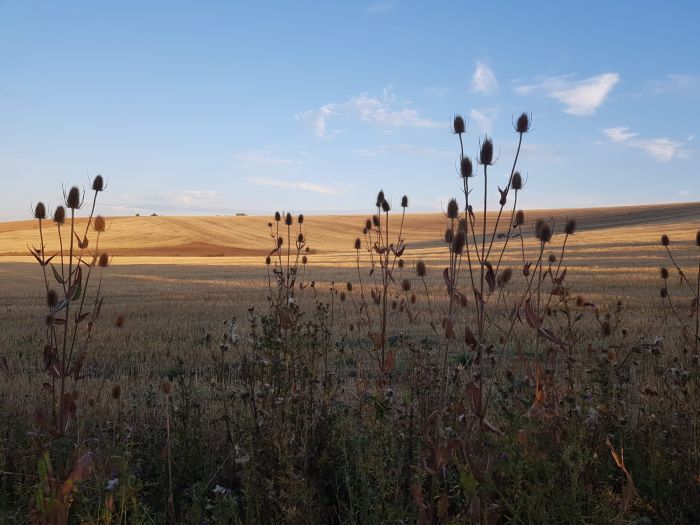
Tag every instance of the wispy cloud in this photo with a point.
(580, 97)
(381, 7)
(385, 112)
(485, 117)
(294, 185)
(263, 157)
(676, 83)
(168, 202)
(484, 80)
(662, 149)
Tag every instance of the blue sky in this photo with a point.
(222, 107)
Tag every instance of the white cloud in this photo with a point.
(263, 157)
(382, 7)
(662, 149)
(485, 117)
(294, 185)
(386, 112)
(168, 202)
(581, 98)
(483, 80)
(683, 84)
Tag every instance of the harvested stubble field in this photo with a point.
(175, 283)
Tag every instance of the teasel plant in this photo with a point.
(383, 246)
(286, 267)
(69, 274)
(690, 333)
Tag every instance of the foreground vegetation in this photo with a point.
(491, 385)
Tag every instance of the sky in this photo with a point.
(192, 108)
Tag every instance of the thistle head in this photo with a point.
(39, 211)
(358, 243)
(288, 219)
(406, 285)
(523, 123)
(385, 206)
(98, 184)
(665, 241)
(404, 201)
(517, 182)
(375, 221)
(466, 168)
(51, 299)
(570, 226)
(278, 217)
(505, 276)
(380, 198)
(421, 269)
(486, 152)
(368, 224)
(103, 261)
(543, 231)
(73, 198)
(59, 215)
(459, 126)
(99, 224)
(452, 209)
(664, 273)
(300, 219)
(458, 241)
(519, 218)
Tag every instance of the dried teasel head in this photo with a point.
(664, 273)
(348, 286)
(51, 299)
(358, 243)
(304, 260)
(99, 224)
(519, 218)
(375, 221)
(459, 126)
(98, 183)
(458, 241)
(448, 235)
(280, 242)
(505, 277)
(288, 219)
(697, 238)
(466, 168)
(39, 211)
(406, 285)
(552, 258)
(300, 218)
(278, 216)
(544, 232)
(103, 261)
(663, 293)
(665, 241)
(73, 198)
(342, 296)
(570, 226)
(517, 182)
(401, 263)
(523, 123)
(421, 269)
(380, 198)
(486, 152)
(300, 238)
(404, 201)
(59, 215)
(368, 224)
(268, 260)
(385, 206)
(452, 209)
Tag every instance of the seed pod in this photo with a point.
(664, 273)
(51, 299)
(342, 296)
(519, 218)
(404, 201)
(99, 224)
(570, 226)
(375, 221)
(304, 260)
(103, 261)
(300, 238)
(268, 261)
(406, 285)
(421, 269)
(380, 198)
(452, 209)
(523, 123)
(458, 125)
(288, 220)
(552, 258)
(300, 219)
(545, 234)
(358, 243)
(278, 217)
(59, 215)
(517, 182)
(368, 224)
(486, 152)
(448, 235)
(348, 286)
(280, 242)
(385, 206)
(98, 184)
(505, 277)
(665, 241)
(458, 242)
(40, 211)
(466, 169)
(73, 198)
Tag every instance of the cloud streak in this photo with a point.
(581, 98)
(294, 185)
(662, 149)
(484, 80)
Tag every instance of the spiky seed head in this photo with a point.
(466, 168)
(73, 198)
(458, 242)
(459, 126)
(280, 242)
(519, 218)
(552, 258)
(288, 219)
(380, 198)
(538, 226)
(665, 241)
(448, 235)
(98, 183)
(278, 216)
(103, 261)
(304, 260)
(570, 226)
(697, 238)
(664, 273)
(368, 224)
(300, 238)
(59, 215)
(404, 201)
(523, 123)
(348, 286)
(517, 182)
(268, 260)
(421, 269)
(663, 293)
(506, 276)
(452, 209)
(545, 233)
(358, 243)
(375, 221)
(116, 392)
(406, 285)
(51, 299)
(400, 263)
(486, 152)
(99, 224)
(40, 211)
(300, 219)
(385, 206)
(342, 296)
